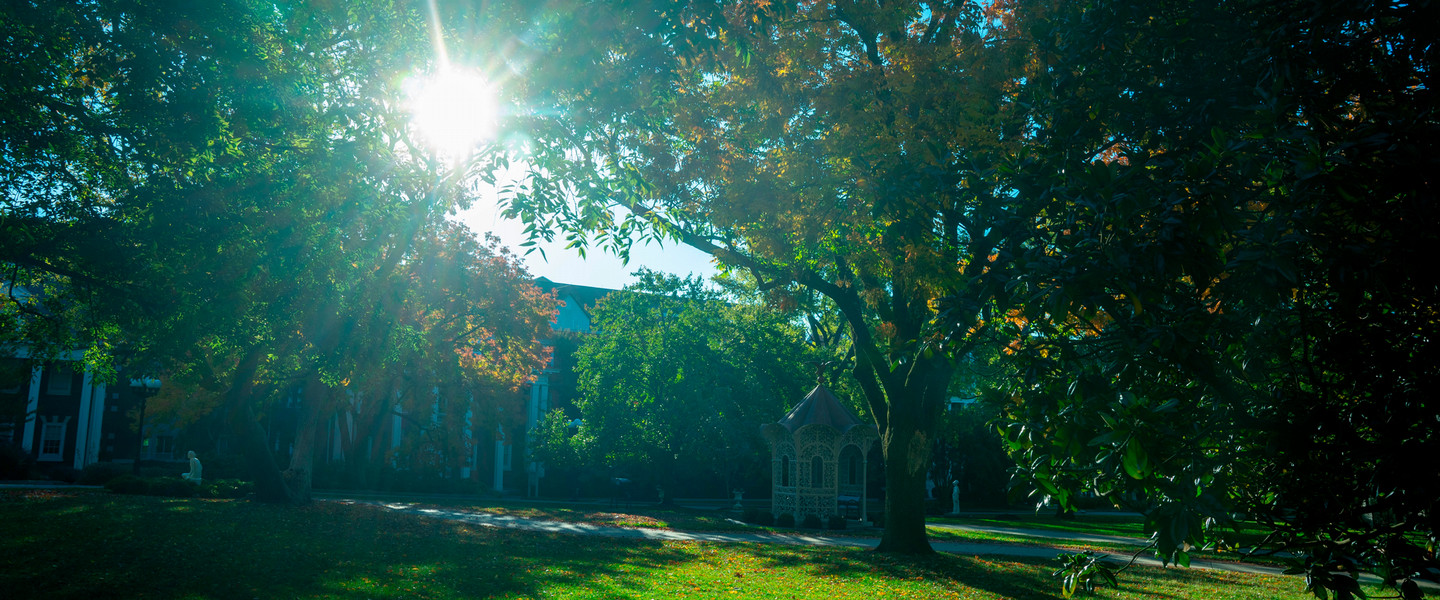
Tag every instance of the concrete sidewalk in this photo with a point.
(964, 548)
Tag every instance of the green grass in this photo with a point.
(97, 545)
(1098, 524)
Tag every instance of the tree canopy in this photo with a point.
(233, 194)
(1227, 318)
(675, 381)
(1173, 218)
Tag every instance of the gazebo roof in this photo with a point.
(820, 406)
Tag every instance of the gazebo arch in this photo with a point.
(807, 450)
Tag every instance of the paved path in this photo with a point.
(964, 548)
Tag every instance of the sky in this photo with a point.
(597, 269)
(454, 107)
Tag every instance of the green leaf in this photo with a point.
(1136, 462)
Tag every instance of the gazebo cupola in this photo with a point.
(818, 455)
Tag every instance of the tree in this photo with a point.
(1221, 319)
(232, 191)
(848, 149)
(675, 382)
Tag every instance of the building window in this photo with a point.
(852, 469)
(785, 470)
(817, 472)
(162, 448)
(52, 439)
(61, 377)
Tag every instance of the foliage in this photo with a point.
(175, 487)
(843, 149)
(1083, 571)
(785, 520)
(101, 473)
(675, 384)
(812, 521)
(1220, 317)
(15, 463)
(972, 450)
(230, 195)
(836, 522)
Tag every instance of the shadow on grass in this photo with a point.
(103, 546)
(1006, 578)
(97, 545)
(1014, 577)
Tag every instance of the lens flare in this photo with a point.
(453, 110)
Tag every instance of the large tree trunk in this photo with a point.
(254, 446)
(302, 462)
(905, 446)
(913, 401)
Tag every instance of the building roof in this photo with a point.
(583, 294)
(820, 406)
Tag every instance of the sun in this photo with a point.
(453, 110)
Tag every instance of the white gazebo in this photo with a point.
(818, 454)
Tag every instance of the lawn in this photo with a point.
(1092, 523)
(81, 545)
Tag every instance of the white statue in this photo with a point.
(739, 493)
(955, 498)
(929, 487)
(194, 474)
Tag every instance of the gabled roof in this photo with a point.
(820, 406)
(585, 295)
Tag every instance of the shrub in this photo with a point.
(877, 519)
(173, 487)
(837, 522)
(63, 473)
(228, 488)
(128, 484)
(785, 520)
(15, 463)
(223, 466)
(751, 515)
(101, 473)
(765, 519)
(812, 521)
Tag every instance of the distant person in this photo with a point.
(194, 474)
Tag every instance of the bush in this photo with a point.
(101, 473)
(15, 463)
(877, 519)
(811, 521)
(765, 519)
(227, 488)
(751, 515)
(173, 487)
(128, 484)
(63, 473)
(223, 466)
(837, 522)
(785, 520)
